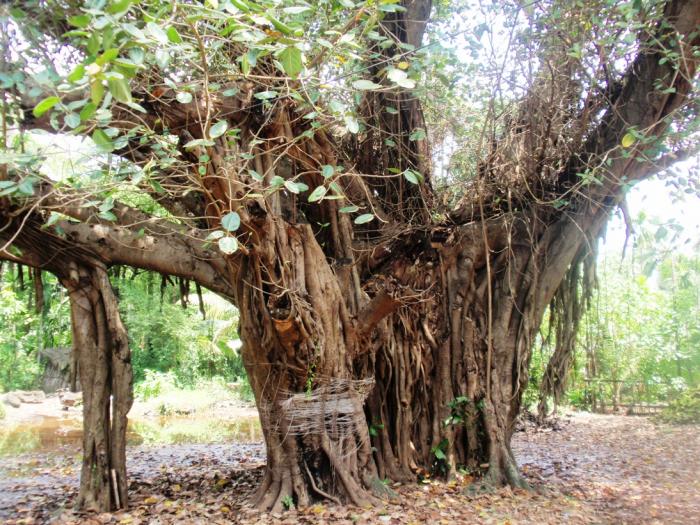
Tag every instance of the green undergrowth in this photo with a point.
(160, 393)
(684, 410)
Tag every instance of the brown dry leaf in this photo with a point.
(595, 469)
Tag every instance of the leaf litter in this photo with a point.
(583, 469)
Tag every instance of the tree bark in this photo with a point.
(299, 343)
(101, 345)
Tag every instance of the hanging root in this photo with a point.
(318, 490)
(570, 302)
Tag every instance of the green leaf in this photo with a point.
(218, 129)
(80, 21)
(295, 10)
(198, 142)
(391, 8)
(418, 134)
(107, 204)
(336, 106)
(364, 218)
(137, 107)
(72, 120)
(216, 234)
(336, 188)
(88, 111)
(119, 88)
(401, 78)
(107, 215)
(265, 95)
(183, 97)
(134, 31)
(231, 221)
(349, 209)
(280, 26)
(327, 171)
(628, 140)
(318, 194)
(228, 245)
(93, 43)
(292, 187)
(7, 188)
(290, 58)
(26, 186)
(53, 219)
(118, 7)
(173, 35)
(245, 64)
(45, 105)
(97, 91)
(255, 175)
(352, 124)
(277, 181)
(77, 73)
(102, 141)
(157, 32)
(413, 176)
(107, 56)
(364, 85)
(137, 54)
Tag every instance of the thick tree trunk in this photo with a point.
(451, 365)
(299, 344)
(101, 346)
(448, 359)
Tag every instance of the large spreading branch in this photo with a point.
(142, 242)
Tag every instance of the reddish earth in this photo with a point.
(594, 469)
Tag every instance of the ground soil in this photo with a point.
(587, 469)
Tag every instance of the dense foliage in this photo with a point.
(165, 337)
(684, 409)
(24, 331)
(640, 340)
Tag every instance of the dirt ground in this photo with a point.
(594, 469)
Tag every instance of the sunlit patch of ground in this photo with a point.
(596, 469)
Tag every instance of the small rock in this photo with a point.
(70, 399)
(33, 396)
(12, 399)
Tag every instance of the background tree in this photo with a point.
(282, 148)
(637, 341)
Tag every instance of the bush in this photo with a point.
(577, 398)
(165, 337)
(155, 384)
(683, 411)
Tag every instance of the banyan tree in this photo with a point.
(277, 153)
